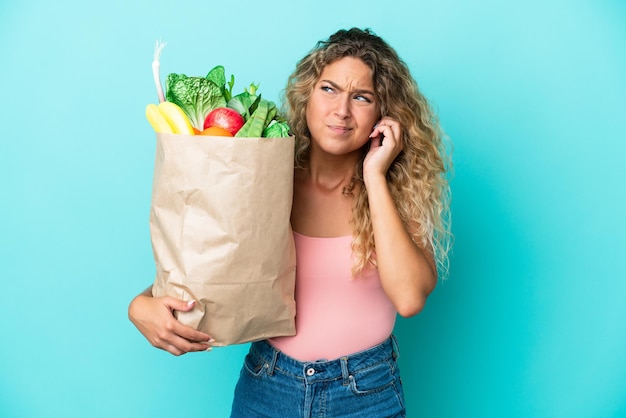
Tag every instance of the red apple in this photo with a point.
(224, 117)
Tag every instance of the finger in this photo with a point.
(178, 352)
(179, 304)
(391, 123)
(177, 345)
(377, 131)
(185, 331)
(193, 335)
(384, 127)
(381, 135)
(390, 130)
(183, 346)
(392, 133)
(173, 350)
(175, 327)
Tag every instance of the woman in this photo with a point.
(371, 226)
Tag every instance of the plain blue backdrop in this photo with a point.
(532, 321)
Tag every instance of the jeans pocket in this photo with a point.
(255, 365)
(373, 379)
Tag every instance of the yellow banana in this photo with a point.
(157, 119)
(176, 117)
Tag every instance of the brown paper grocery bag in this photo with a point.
(221, 234)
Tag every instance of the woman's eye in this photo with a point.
(361, 98)
(327, 89)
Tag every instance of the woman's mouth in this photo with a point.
(339, 129)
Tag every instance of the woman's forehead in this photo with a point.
(348, 71)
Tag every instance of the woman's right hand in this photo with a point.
(154, 318)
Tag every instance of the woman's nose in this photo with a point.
(342, 109)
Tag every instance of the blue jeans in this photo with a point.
(365, 384)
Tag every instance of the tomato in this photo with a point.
(226, 118)
(215, 131)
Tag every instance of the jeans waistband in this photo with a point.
(322, 370)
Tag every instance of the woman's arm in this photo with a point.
(154, 318)
(407, 272)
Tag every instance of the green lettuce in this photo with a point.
(218, 76)
(196, 96)
(276, 129)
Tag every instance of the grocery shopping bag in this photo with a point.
(221, 233)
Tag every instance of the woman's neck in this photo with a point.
(329, 172)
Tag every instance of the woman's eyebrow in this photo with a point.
(337, 87)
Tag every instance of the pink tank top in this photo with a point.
(336, 314)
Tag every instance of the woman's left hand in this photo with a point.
(386, 144)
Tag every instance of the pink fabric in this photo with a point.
(336, 314)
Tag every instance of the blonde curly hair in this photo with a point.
(418, 177)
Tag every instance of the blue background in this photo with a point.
(531, 323)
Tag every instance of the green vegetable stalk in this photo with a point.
(245, 102)
(254, 126)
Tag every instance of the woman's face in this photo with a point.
(342, 109)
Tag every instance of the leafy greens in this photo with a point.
(197, 96)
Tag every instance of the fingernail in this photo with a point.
(209, 348)
(211, 341)
(191, 302)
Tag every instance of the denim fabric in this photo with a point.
(365, 384)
